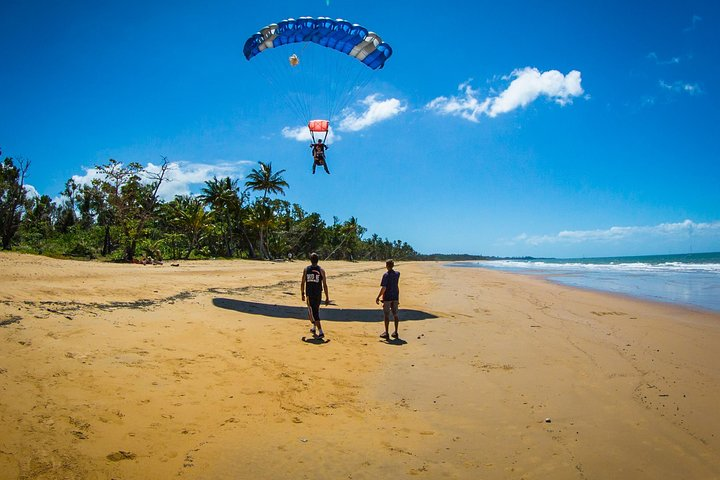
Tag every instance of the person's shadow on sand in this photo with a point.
(328, 313)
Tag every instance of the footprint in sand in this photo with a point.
(121, 455)
(10, 320)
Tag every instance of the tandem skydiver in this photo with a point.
(318, 152)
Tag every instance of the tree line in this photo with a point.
(120, 216)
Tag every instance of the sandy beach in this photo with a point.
(199, 371)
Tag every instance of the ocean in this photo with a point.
(691, 280)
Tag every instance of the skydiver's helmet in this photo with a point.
(319, 140)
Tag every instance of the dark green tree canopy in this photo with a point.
(121, 216)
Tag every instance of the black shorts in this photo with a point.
(313, 302)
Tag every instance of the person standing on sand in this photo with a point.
(390, 296)
(313, 282)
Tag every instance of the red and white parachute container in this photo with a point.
(319, 126)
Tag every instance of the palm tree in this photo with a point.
(187, 215)
(266, 181)
(262, 217)
(222, 196)
(351, 232)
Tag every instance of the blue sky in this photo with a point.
(501, 128)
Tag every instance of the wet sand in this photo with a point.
(199, 372)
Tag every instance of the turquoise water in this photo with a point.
(691, 280)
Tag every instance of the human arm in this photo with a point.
(325, 287)
(380, 295)
(383, 287)
(302, 286)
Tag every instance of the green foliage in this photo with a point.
(13, 200)
(132, 204)
(263, 179)
(119, 217)
(187, 216)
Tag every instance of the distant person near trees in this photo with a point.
(390, 297)
(314, 281)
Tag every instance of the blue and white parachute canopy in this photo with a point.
(351, 39)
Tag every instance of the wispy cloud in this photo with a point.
(182, 178)
(526, 85)
(467, 105)
(696, 19)
(670, 90)
(660, 61)
(680, 230)
(681, 87)
(375, 110)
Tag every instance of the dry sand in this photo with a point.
(199, 372)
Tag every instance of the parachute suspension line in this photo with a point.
(356, 83)
(276, 74)
(347, 82)
(322, 84)
(305, 45)
(318, 81)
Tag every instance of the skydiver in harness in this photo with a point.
(319, 146)
(318, 152)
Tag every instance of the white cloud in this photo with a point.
(86, 179)
(182, 178)
(527, 85)
(467, 106)
(375, 111)
(679, 230)
(30, 191)
(302, 134)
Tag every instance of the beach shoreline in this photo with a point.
(199, 371)
(551, 278)
(692, 281)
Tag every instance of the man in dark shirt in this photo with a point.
(390, 296)
(312, 284)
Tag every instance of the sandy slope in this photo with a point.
(198, 371)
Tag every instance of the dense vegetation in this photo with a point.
(120, 216)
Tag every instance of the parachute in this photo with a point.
(351, 39)
(317, 65)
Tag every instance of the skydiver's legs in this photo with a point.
(326, 168)
(314, 166)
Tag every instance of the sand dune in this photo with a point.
(199, 372)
